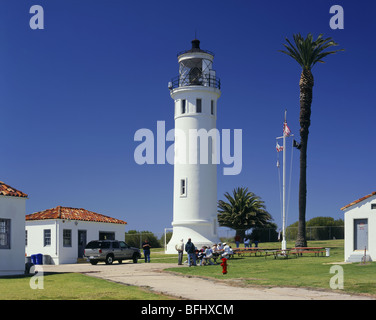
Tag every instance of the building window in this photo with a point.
(212, 107)
(183, 187)
(47, 237)
(198, 105)
(183, 105)
(67, 238)
(373, 205)
(4, 233)
(106, 235)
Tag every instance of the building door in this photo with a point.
(81, 242)
(360, 234)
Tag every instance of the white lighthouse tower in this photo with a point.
(195, 92)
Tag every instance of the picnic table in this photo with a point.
(241, 252)
(280, 253)
(297, 251)
(316, 250)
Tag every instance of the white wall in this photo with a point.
(12, 261)
(59, 253)
(195, 214)
(362, 210)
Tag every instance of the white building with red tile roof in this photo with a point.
(60, 234)
(360, 229)
(12, 230)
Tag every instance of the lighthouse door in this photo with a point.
(360, 234)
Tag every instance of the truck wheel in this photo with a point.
(135, 258)
(109, 259)
(93, 262)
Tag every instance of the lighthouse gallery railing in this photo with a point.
(199, 80)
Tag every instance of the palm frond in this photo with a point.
(242, 210)
(307, 51)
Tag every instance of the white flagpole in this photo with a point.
(284, 188)
(284, 183)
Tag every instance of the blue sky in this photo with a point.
(73, 95)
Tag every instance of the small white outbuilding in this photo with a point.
(60, 234)
(360, 229)
(12, 230)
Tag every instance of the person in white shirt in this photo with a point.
(227, 251)
(216, 252)
(180, 249)
(208, 255)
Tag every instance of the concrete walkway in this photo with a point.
(153, 277)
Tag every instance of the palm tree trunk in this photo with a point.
(306, 85)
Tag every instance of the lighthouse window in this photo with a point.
(183, 106)
(212, 107)
(198, 105)
(183, 187)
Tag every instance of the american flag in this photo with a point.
(286, 130)
(278, 147)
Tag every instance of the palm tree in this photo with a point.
(244, 210)
(307, 52)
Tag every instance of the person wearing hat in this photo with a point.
(227, 251)
(180, 249)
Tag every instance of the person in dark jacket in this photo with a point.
(190, 249)
(146, 247)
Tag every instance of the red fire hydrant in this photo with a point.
(224, 265)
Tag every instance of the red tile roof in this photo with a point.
(73, 214)
(6, 190)
(359, 200)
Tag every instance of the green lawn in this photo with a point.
(306, 271)
(71, 286)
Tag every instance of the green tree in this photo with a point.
(306, 52)
(135, 238)
(319, 228)
(242, 211)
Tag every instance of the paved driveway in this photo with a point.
(152, 276)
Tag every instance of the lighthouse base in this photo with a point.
(201, 234)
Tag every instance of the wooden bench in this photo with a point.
(243, 252)
(316, 250)
(273, 253)
(257, 251)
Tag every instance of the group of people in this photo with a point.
(204, 255)
(247, 242)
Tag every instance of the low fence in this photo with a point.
(160, 239)
(156, 239)
(271, 235)
(318, 233)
